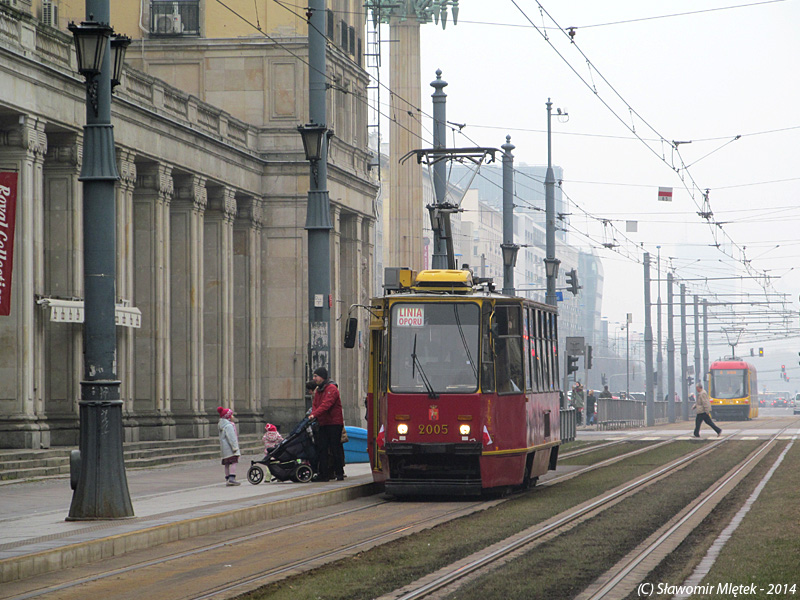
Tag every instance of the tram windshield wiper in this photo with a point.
(416, 363)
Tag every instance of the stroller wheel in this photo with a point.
(255, 475)
(303, 473)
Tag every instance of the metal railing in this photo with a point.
(615, 413)
(175, 17)
(568, 424)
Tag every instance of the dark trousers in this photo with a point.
(330, 451)
(698, 420)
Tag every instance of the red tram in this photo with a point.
(463, 389)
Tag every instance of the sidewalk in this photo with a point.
(170, 503)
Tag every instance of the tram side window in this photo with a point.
(554, 345)
(487, 355)
(527, 346)
(546, 351)
(508, 349)
(536, 350)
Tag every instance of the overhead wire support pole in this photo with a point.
(508, 247)
(697, 373)
(659, 354)
(648, 346)
(670, 352)
(684, 359)
(440, 222)
(705, 339)
(551, 262)
(318, 217)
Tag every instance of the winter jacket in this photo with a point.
(702, 404)
(327, 405)
(271, 439)
(228, 442)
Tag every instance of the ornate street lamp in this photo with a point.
(98, 469)
(119, 45)
(312, 135)
(91, 40)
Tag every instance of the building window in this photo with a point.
(175, 17)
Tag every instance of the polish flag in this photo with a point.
(487, 439)
(381, 438)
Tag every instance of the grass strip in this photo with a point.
(601, 454)
(566, 565)
(764, 551)
(390, 566)
(679, 565)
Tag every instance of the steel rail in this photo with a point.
(718, 487)
(483, 561)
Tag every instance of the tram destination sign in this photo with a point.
(575, 346)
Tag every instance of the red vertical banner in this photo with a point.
(8, 214)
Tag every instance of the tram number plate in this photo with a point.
(432, 429)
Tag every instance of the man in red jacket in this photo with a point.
(326, 408)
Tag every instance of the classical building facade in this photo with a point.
(211, 249)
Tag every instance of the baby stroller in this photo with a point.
(291, 459)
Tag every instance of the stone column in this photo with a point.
(336, 371)
(248, 357)
(125, 268)
(186, 228)
(22, 148)
(404, 236)
(63, 278)
(153, 194)
(218, 300)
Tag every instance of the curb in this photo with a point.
(82, 553)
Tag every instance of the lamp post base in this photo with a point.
(102, 488)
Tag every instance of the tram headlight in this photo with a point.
(402, 428)
(464, 429)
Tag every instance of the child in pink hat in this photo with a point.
(228, 444)
(271, 437)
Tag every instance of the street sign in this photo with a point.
(575, 346)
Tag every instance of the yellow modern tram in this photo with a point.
(733, 390)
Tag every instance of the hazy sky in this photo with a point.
(671, 73)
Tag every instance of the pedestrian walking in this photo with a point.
(326, 408)
(228, 444)
(703, 407)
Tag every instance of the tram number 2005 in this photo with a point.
(432, 429)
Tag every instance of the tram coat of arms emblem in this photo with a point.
(433, 413)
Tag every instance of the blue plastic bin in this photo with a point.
(355, 450)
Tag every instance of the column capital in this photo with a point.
(126, 166)
(190, 191)
(28, 134)
(223, 199)
(251, 210)
(156, 177)
(65, 149)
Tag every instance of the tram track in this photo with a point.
(134, 570)
(332, 546)
(623, 578)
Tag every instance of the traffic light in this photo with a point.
(690, 380)
(572, 282)
(761, 352)
(603, 379)
(572, 364)
(588, 359)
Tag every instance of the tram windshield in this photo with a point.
(434, 347)
(727, 384)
